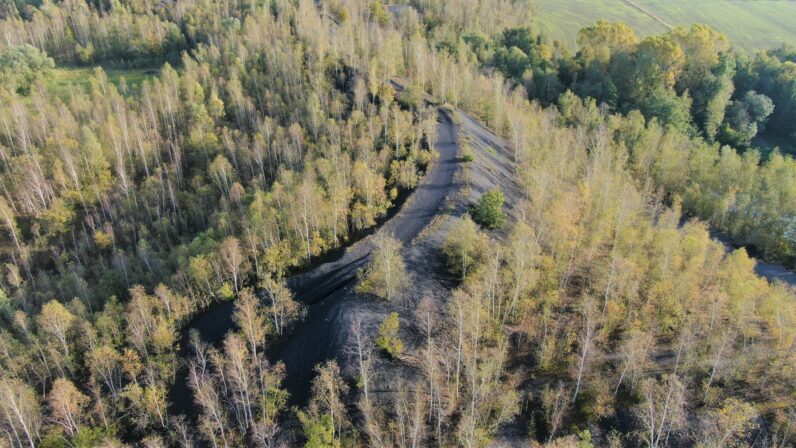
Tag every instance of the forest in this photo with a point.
(566, 288)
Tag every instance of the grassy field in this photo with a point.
(752, 25)
(63, 79)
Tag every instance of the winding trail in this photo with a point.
(326, 290)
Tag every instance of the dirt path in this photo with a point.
(327, 289)
(770, 271)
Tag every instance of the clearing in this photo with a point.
(61, 80)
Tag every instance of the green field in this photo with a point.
(751, 24)
(62, 80)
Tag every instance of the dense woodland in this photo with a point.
(271, 135)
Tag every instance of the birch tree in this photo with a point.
(21, 416)
(68, 405)
(386, 273)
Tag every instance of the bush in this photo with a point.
(468, 154)
(488, 211)
(411, 97)
(388, 339)
(464, 246)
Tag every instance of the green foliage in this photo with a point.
(319, 431)
(21, 67)
(64, 81)
(669, 108)
(684, 78)
(468, 154)
(752, 26)
(385, 274)
(226, 292)
(256, 156)
(119, 34)
(379, 13)
(488, 211)
(412, 97)
(464, 246)
(584, 439)
(54, 439)
(90, 437)
(86, 437)
(746, 117)
(388, 339)
(772, 74)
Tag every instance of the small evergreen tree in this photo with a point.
(488, 211)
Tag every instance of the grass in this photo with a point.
(62, 80)
(751, 25)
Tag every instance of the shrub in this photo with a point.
(488, 211)
(388, 339)
(411, 97)
(464, 246)
(21, 67)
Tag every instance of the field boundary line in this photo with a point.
(649, 13)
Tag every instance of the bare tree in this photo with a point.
(283, 310)
(662, 410)
(555, 406)
(634, 352)
(249, 318)
(232, 256)
(20, 413)
(588, 332)
(328, 389)
(728, 425)
(207, 395)
(363, 349)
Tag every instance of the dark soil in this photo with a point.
(327, 290)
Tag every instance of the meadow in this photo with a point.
(752, 25)
(62, 80)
